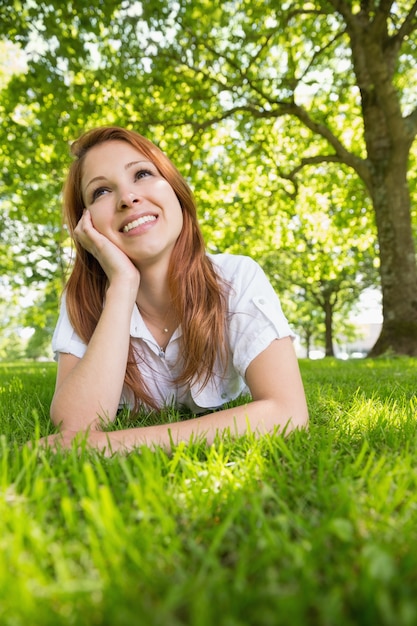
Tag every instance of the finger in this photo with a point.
(83, 223)
(87, 219)
(86, 234)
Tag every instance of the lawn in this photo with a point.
(316, 529)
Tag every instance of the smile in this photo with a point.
(141, 220)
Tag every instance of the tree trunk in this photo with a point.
(328, 321)
(388, 137)
(308, 338)
(398, 263)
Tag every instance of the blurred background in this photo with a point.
(294, 125)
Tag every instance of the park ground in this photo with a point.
(318, 528)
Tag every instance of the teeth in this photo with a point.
(138, 222)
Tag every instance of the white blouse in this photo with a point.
(254, 320)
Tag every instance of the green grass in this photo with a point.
(319, 528)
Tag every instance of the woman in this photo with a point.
(149, 319)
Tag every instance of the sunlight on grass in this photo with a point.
(365, 415)
(318, 528)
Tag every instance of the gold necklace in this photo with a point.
(165, 328)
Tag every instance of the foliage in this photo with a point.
(323, 263)
(42, 317)
(244, 97)
(314, 529)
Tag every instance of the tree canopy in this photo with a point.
(253, 101)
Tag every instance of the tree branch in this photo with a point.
(341, 155)
(343, 7)
(385, 7)
(239, 69)
(344, 156)
(305, 162)
(316, 55)
(315, 160)
(408, 25)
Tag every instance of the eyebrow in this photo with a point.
(127, 166)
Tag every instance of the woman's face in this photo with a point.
(130, 202)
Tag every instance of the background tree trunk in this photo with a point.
(398, 265)
(388, 138)
(328, 320)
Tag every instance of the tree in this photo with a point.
(323, 259)
(295, 85)
(322, 64)
(41, 315)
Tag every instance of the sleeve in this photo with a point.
(256, 317)
(65, 339)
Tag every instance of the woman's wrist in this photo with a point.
(122, 291)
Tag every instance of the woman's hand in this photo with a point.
(92, 439)
(92, 385)
(114, 261)
(63, 439)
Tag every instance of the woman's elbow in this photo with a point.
(55, 413)
(293, 418)
(65, 418)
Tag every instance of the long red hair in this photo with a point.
(197, 292)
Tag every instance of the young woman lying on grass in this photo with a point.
(148, 318)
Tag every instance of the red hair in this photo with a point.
(197, 293)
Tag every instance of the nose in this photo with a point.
(127, 200)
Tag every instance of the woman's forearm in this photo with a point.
(278, 403)
(91, 389)
(258, 417)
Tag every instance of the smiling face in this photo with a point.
(130, 202)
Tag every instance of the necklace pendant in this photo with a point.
(165, 330)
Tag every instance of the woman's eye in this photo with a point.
(97, 193)
(142, 174)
